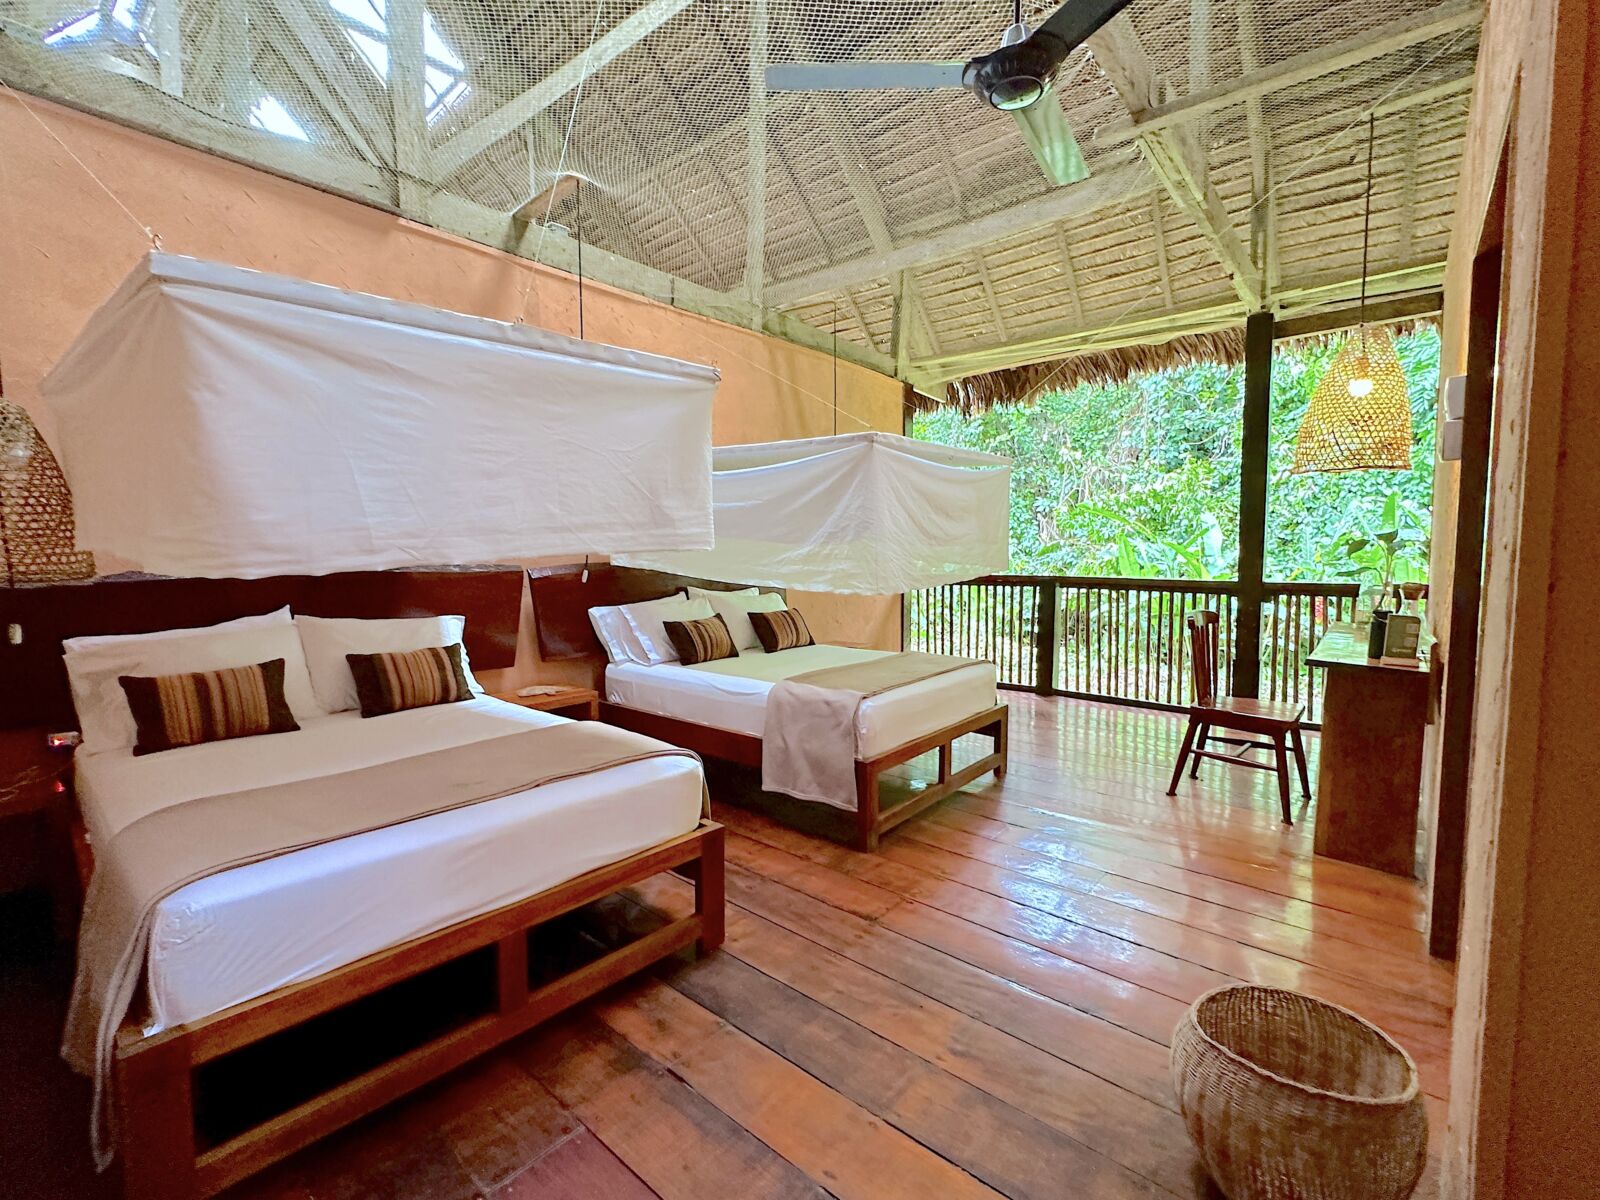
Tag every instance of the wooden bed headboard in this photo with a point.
(562, 600)
(33, 679)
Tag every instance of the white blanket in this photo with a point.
(808, 746)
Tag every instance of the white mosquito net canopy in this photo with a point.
(223, 422)
(863, 514)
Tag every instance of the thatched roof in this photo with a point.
(1021, 385)
(1107, 368)
(1225, 140)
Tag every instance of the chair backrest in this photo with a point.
(1203, 630)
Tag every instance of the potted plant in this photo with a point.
(1396, 552)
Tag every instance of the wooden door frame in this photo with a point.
(1461, 657)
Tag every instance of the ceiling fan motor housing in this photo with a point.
(1017, 74)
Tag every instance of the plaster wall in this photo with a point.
(65, 244)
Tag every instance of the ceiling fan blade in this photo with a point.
(1044, 127)
(1076, 20)
(862, 76)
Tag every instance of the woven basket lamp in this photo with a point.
(1359, 418)
(37, 537)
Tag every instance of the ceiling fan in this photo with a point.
(1015, 78)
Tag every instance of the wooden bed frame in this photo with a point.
(154, 1076)
(161, 1079)
(562, 597)
(872, 819)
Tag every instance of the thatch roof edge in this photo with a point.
(1108, 368)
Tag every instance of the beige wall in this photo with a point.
(65, 245)
(1525, 1085)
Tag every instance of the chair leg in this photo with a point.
(1199, 744)
(1300, 760)
(1282, 754)
(1183, 756)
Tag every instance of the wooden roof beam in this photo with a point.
(1436, 22)
(1311, 295)
(1116, 186)
(1173, 154)
(487, 130)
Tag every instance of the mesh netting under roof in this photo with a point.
(850, 207)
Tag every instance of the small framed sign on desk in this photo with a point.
(1369, 780)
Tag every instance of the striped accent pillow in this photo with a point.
(402, 679)
(782, 630)
(701, 641)
(207, 706)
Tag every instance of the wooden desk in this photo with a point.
(1370, 779)
(579, 703)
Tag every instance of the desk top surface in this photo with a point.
(1345, 645)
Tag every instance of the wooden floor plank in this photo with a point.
(856, 1155)
(675, 1140)
(579, 1168)
(992, 1140)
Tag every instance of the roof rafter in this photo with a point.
(1444, 19)
(1309, 295)
(487, 130)
(1116, 186)
(1173, 154)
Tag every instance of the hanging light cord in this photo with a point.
(1366, 229)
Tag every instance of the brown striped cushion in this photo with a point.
(207, 706)
(781, 630)
(701, 641)
(403, 679)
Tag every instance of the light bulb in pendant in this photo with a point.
(1361, 383)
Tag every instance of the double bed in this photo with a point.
(280, 997)
(719, 708)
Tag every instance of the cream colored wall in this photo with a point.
(65, 245)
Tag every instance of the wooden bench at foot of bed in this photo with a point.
(163, 1154)
(872, 820)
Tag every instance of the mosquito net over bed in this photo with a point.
(224, 422)
(863, 514)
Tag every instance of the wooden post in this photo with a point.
(1045, 635)
(1253, 502)
(1461, 651)
(157, 1143)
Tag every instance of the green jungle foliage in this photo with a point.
(1142, 480)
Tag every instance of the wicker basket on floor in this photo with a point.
(1290, 1098)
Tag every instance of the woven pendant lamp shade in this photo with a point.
(1346, 432)
(37, 538)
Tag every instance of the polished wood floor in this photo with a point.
(982, 1009)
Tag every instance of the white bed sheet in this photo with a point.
(244, 932)
(731, 694)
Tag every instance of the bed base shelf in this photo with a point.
(161, 1157)
(873, 820)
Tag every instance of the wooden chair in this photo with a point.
(1275, 721)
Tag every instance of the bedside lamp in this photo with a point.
(37, 539)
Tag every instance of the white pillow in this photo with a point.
(735, 608)
(94, 663)
(328, 639)
(616, 635)
(648, 620)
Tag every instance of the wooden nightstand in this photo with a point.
(35, 820)
(580, 703)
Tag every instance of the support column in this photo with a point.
(1253, 502)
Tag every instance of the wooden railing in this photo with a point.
(1121, 640)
